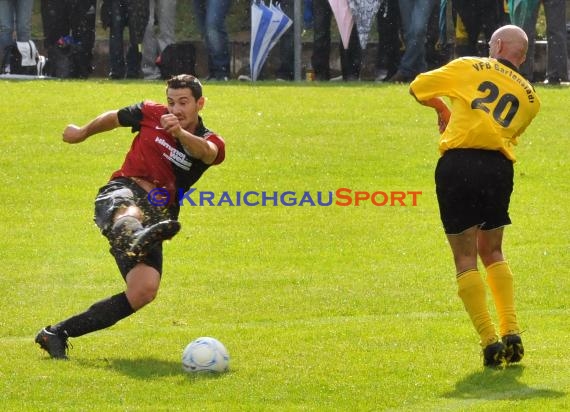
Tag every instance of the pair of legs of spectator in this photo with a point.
(211, 17)
(132, 15)
(557, 53)
(478, 16)
(159, 33)
(350, 58)
(15, 16)
(69, 29)
(415, 15)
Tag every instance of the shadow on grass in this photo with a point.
(147, 368)
(493, 384)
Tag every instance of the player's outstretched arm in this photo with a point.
(102, 123)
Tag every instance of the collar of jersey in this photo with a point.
(508, 64)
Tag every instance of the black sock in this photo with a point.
(100, 315)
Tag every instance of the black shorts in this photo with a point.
(473, 189)
(125, 192)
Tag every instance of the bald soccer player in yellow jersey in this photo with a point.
(491, 105)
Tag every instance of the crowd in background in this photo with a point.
(410, 36)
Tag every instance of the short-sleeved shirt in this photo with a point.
(491, 103)
(158, 157)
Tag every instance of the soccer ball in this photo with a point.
(205, 354)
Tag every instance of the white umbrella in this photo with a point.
(344, 20)
(267, 26)
(364, 12)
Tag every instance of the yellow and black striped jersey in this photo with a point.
(491, 104)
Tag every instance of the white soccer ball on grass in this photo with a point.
(205, 354)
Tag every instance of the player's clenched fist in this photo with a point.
(171, 124)
(73, 134)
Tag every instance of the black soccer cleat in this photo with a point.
(514, 348)
(494, 355)
(145, 239)
(53, 343)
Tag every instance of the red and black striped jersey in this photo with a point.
(158, 157)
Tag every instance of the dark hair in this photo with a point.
(186, 81)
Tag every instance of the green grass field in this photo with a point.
(321, 308)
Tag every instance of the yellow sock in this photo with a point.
(472, 293)
(500, 280)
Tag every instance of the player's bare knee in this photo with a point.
(488, 257)
(141, 296)
(133, 211)
(148, 295)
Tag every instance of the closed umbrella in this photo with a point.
(364, 13)
(268, 24)
(344, 20)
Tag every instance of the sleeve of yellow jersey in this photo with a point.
(437, 83)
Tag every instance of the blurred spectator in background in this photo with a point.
(69, 31)
(320, 60)
(557, 63)
(159, 33)
(308, 14)
(415, 15)
(15, 16)
(478, 16)
(461, 36)
(211, 17)
(118, 15)
(389, 43)
(437, 52)
(350, 59)
(286, 69)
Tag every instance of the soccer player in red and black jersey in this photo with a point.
(138, 208)
(491, 105)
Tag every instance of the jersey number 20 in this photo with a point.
(506, 107)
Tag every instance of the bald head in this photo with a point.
(509, 42)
